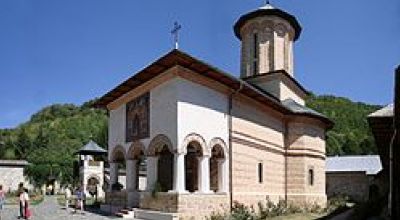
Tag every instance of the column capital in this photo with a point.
(221, 160)
(206, 156)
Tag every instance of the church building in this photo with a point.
(205, 139)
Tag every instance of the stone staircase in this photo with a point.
(141, 214)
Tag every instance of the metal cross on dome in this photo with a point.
(175, 32)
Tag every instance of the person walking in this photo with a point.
(2, 199)
(27, 211)
(21, 200)
(79, 199)
(67, 198)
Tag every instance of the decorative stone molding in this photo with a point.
(197, 139)
(135, 150)
(157, 143)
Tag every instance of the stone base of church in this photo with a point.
(187, 206)
(299, 200)
(252, 199)
(302, 200)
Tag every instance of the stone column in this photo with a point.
(204, 174)
(131, 174)
(179, 185)
(152, 165)
(222, 176)
(113, 174)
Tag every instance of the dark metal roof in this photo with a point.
(285, 74)
(91, 148)
(177, 57)
(266, 11)
(298, 109)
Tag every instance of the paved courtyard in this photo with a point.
(49, 209)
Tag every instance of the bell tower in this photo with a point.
(267, 36)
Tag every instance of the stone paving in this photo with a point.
(49, 209)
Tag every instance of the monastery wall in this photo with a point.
(11, 176)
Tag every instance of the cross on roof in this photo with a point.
(175, 32)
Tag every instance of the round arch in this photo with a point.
(93, 176)
(219, 142)
(118, 154)
(135, 150)
(197, 139)
(157, 143)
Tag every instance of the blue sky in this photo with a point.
(70, 51)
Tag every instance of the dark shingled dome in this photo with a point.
(268, 10)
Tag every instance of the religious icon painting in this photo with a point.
(138, 118)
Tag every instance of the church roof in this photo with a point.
(177, 57)
(268, 10)
(300, 109)
(371, 164)
(91, 148)
(285, 74)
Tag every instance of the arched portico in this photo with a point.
(117, 161)
(160, 164)
(134, 156)
(194, 138)
(218, 168)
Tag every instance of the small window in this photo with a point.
(255, 54)
(311, 177)
(255, 44)
(260, 173)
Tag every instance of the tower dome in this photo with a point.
(267, 35)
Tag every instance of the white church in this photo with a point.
(205, 139)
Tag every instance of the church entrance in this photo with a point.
(191, 166)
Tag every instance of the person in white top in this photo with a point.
(21, 202)
(67, 197)
(25, 204)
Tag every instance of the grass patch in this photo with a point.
(299, 216)
(34, 200)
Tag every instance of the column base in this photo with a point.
(178, 192)
(204, 192)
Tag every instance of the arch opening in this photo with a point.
(216, 167)
(194, 151)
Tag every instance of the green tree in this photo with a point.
(23, 144)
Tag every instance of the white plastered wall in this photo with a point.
(163, 117)
(202, 111)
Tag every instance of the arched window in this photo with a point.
(311, 177)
